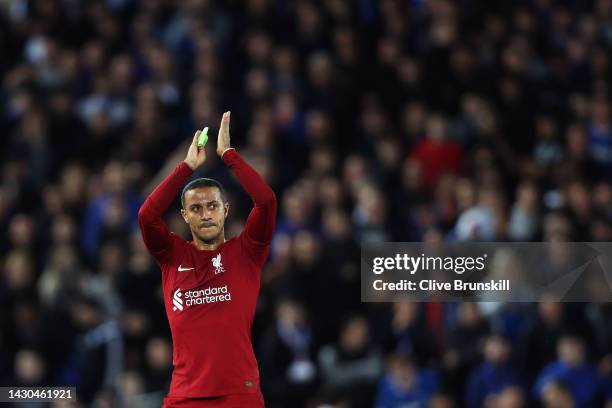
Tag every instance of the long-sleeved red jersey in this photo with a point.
(210, 296)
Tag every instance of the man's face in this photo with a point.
(571, 351)
(205, 212)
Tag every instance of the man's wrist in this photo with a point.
(192, 167)
(226, 150)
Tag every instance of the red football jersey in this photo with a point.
(210, 296)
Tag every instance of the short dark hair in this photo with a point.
(202, 182)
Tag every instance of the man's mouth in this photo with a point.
(207, 225)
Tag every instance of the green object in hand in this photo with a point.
(203, 138)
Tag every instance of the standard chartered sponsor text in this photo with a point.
(208, 295)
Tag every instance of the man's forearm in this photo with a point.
(255, 186)
(261, 221)
(154, 231)
(164, 194)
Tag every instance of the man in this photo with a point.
(211, 284)
(495, 374)
(577, 377)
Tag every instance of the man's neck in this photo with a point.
(209, 245)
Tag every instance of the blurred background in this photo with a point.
(409, 120)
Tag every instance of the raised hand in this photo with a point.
(195, 156)
(223, 140)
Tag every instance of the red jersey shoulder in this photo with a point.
(256, 252)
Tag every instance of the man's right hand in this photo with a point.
(195, 156)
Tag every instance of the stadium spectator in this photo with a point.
(464, 344)
(286, 356)
(556, 394)
(494, 375)
(404, 384)
(509, 397)
(540, 337)
(572, 369)
(408, 334)
(352, 364)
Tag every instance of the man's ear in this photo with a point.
(226, 207)
(184, 215)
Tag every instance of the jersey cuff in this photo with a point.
(225, 151)
(184, 169)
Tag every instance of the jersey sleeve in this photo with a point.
(157, 238)
(259, 228)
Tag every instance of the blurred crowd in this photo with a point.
(413, 120)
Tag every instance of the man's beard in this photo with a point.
(209, 239)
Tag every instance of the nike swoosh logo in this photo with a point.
(181, 269)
